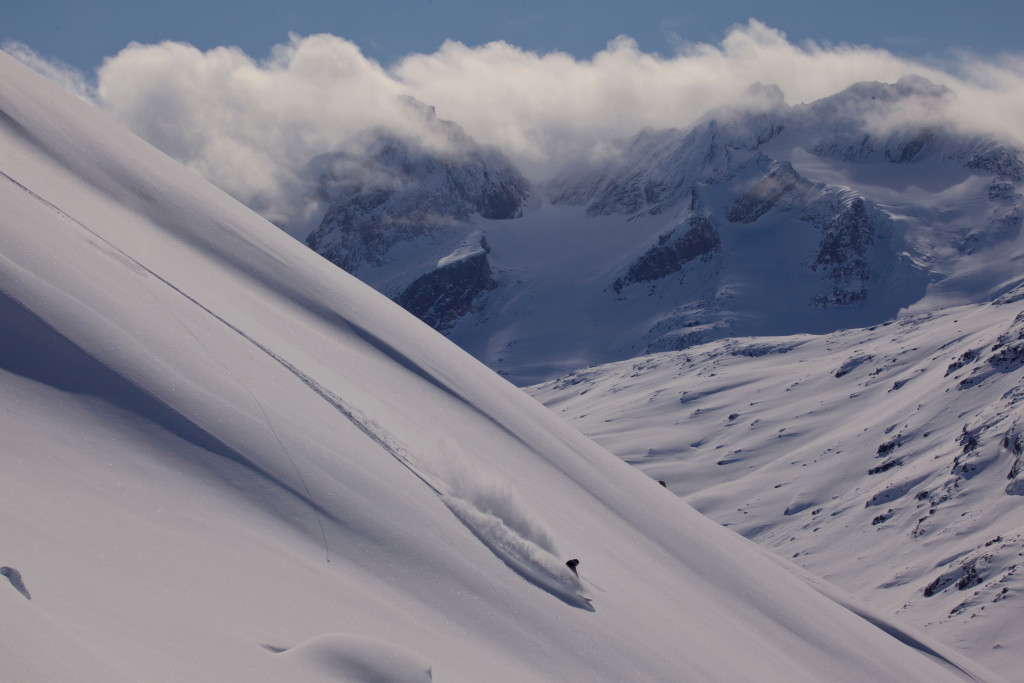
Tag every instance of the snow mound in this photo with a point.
(358, 659)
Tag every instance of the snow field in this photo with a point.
(881, 463)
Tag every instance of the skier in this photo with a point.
(571, 564)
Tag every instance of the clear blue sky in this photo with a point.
(81, 33)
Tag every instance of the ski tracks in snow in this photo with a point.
(486, 506)
(489, 510)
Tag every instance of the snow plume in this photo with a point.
(468, 485)
(492, 496)
(490, 509)
(252, 126)
(60, 73)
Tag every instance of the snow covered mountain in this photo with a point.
(762, 219)
(888, 460)
(226, 459)
(399, 200)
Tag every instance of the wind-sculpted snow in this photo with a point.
(348, 657)
(887, 459)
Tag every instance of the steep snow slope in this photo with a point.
(887, 460)
(225, 459)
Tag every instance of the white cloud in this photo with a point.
(252, 126)
(990, 96)
(249, 126)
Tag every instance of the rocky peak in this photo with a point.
(659, 169)
(397, 190)
(856, 103)
(849, 226)
(694, 239)
(780, 187)
(760, 218)
(454, 288)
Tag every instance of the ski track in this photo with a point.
(518, 553)
(146, 269)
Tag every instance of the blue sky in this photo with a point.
(81, 34)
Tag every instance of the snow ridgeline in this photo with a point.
(348, 657)
(488, 507)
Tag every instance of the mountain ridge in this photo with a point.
(811, 232)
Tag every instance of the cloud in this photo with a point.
(542, 108)
(990, 96)
(252, 126)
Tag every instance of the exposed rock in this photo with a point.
(776, 189)
(846, 147)
(673, 250)
(398, 191)
(848, 229)
(442, 296)
(906, 151)
(1001, 161)
(720, 223)
(659, 169)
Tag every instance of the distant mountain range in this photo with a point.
(760, 219)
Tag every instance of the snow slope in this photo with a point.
(225, 459)
(887, 460)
